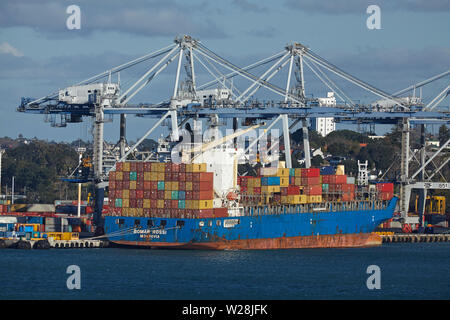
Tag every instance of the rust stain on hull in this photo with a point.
(320, 241)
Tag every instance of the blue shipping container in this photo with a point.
(329, 170)
(270, 181)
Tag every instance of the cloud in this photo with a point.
(6, 48)
(142, 17)
(248, 6)
(360, 6)
(267, 32)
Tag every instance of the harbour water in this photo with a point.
(408, 271)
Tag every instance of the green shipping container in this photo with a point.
(325, 187)
(174, 195)
(160, 185)
(118, 203)
(181, 204)
(292, 172)
(133, 176)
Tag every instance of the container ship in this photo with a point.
(206, 205)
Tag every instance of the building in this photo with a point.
(325, 125)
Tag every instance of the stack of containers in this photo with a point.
(144, 189)
(312, 185)
(385, 190)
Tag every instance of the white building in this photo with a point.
(325, 125)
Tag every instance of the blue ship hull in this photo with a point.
(345, 228)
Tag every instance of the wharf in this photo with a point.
(416, 238)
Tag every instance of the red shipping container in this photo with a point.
(188, 176)
(119, 185)
(139, 203)
(140, 185)
(174, 204)
(140, 167)
(244, 181)
(168, 176)
(385, 187)
(202, 186)
(147, 166)
(112, 176)
(181, 185)
(203, 195)
(126, 177)
(147, 212)
(326, 179)
(119, 166)
(153, 185)
(160, 212)
(112, 184)
(139, 194)
(257, 190)
(181, 176)
(386, 195)
(175, 167)
(189, 195)
(147, 185)
(167, 204)
(311, 172)
(174, 176)
(348, 188)
(132, 194)
(132, 166)
(243, 189)
(153, 204)
(348, 197)
(132, 203)
(140, 176)
(147, 194)
(307, 181)
(314, 190)
(153, 195)
(220, 212)
(284, 191)
(293, 190)
(206, 176)
(160, 194)
(182, 167)
(205, 213)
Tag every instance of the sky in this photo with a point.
(39, 54)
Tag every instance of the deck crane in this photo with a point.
(99, 97)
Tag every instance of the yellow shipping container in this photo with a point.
(284, 181)
(168, 185)
(125, 194)
(139, 212)
(194, 205)
(199, 167)
(167, 195)
(126, 166)
(298, 181)
(250, 190)
(160, 203)
(174, 185)
(160, 176)
(298, 172)
(153, 176)
(119, 175)
(188, 185)
(125, 203)
(314, 199)
(146, 203)
(298, 199)
(257, 182)
(132, 185)
(205, 204)
(189, 167)
(283, 172)
(147, 176)
(284, 199)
